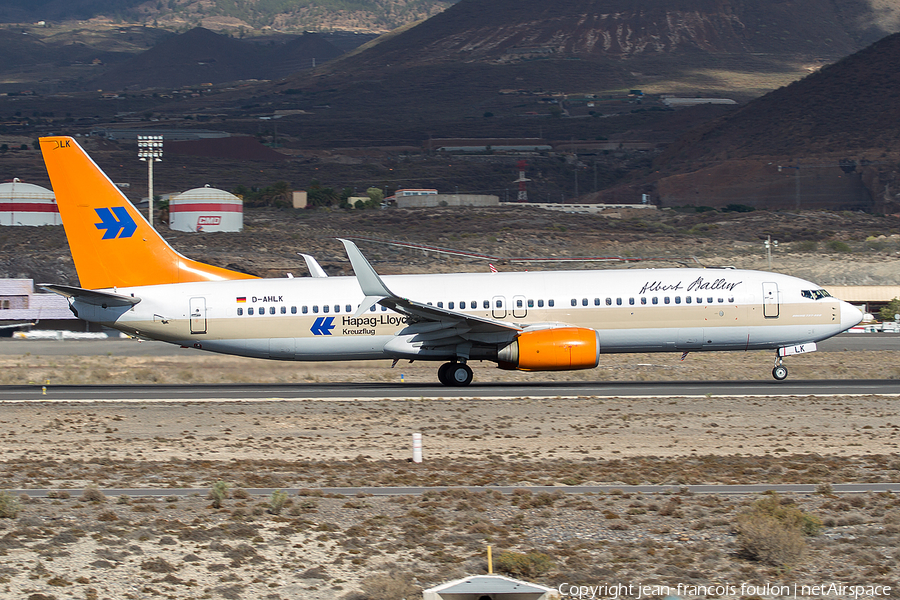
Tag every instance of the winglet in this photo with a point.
(372, 285)
(369, 281)
(312, 264)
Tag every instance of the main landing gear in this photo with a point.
(457, 374)
(780, 371)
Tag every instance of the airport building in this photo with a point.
(22, 307)
(27, 204)
(434, 200)
(206, 209)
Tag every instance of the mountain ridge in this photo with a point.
(503, 31)
(370, 16)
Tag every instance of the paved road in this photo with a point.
(395, 391)
(841, 488)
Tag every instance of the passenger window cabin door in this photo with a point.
(498, 307)
(519, 307)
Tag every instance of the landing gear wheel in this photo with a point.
(460, 375)
(780, 372)
(444, 373)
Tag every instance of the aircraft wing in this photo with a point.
(423, 314)
(94, 297)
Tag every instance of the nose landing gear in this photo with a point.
(457, 374)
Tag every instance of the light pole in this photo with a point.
(150, 149)
(769, 244)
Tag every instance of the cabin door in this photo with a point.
(198, 315)
(770, 300)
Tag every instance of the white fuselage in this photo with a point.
(646, 310)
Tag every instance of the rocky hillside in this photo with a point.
(203, 56)
(851, 106)
(829, 137)
(502, 31)
(290, 15)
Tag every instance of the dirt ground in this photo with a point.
(311, 546)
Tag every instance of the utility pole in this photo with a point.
(150, 149)
(769, 244)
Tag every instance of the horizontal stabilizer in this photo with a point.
(14, 324)
(93, 297)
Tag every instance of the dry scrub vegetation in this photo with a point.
(365, 547)
(228, 543)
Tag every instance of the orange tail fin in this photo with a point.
(111, 242)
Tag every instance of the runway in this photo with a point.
(537, 388)
(421, 391)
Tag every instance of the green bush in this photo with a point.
(277, 502)
(218, 494)
(888, 311)
(766, 539)
(92, 493)
(787, 512)
(806, 246)
(740, 208)
(839, 246)
(389, 586)
(532, 564)
(9, 506)
(772, 531)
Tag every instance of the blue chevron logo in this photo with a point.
(322, 326)
(117, 222)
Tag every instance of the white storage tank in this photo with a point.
(27, 204)
(206, 209)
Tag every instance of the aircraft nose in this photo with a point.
(850, 315)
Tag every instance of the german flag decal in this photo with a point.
(241, 299)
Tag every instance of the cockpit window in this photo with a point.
(815, 294)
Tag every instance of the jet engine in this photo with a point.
(557, 349)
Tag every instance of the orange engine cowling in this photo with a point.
(558, 349)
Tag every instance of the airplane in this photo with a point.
(133, 281)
